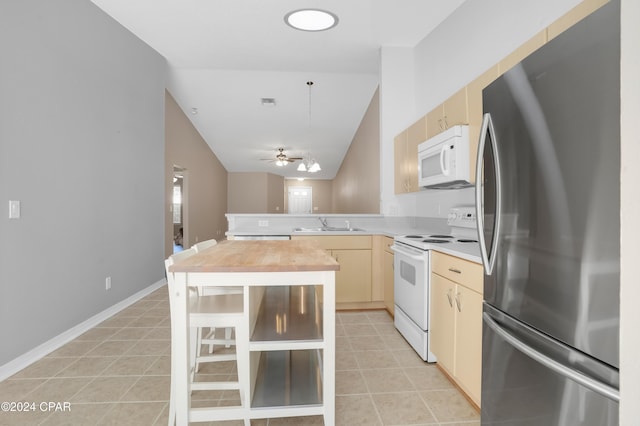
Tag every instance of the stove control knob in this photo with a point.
(452, 216)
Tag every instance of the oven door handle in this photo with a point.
(408, 252)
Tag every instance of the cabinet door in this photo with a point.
(388, 281)
(435, 121)
(442, 321)
(451, 112)
(468, 341)
(400, 183)
(353, 280)
(474, 105)
(416, 134)
(455, 109)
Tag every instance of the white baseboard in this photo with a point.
(28, 358)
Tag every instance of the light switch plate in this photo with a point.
(14, 209)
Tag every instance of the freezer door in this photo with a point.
(556, 124)
(529, 379)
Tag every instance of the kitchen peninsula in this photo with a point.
(289, 309)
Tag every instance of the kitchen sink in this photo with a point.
(307, 229)
(328, 229)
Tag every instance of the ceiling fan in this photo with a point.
(281, 158)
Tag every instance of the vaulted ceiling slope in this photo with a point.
(224, 56)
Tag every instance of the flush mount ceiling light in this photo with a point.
(311, 20)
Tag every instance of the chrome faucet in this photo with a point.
(323, 221)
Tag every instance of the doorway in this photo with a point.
(300, 200)
(178, 209)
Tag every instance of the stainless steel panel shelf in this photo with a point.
(289, 313)
(288, 379)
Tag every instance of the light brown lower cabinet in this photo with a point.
(387, 271)
(353, 280)
(353, 253)
(456, 320)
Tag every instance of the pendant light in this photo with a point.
(309, 165)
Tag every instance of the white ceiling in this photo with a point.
(225, 55)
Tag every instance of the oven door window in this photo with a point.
(408, 273)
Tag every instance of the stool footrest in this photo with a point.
(217, 414)
(215, 386)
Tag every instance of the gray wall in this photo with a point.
(81, 146)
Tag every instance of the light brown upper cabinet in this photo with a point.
(451, 112)
(400, 178)
(465, 106)
(474, 101)
(406, 157)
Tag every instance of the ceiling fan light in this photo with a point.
(281, 163)
(302, 167)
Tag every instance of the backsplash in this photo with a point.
(435, 203)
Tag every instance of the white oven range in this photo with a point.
(412, 270)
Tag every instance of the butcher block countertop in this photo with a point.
(259, 256)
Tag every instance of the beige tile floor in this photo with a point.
(118, 374)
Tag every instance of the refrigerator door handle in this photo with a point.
(487, 129)
(582, 379)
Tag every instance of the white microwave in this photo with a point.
(443, 160)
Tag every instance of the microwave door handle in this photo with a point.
(487, 129)
(443, 163)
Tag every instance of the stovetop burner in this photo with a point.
(461, 237)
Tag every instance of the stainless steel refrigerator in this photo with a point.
(547, 191)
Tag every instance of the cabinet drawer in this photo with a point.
(464, 272)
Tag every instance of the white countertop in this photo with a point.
(469, 252)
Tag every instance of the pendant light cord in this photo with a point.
(309, 84)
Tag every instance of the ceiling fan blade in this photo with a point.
(281, 156)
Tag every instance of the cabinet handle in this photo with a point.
(450, 298)
(458, 302)
(457, 271)
(446, 125)
(440, 124)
